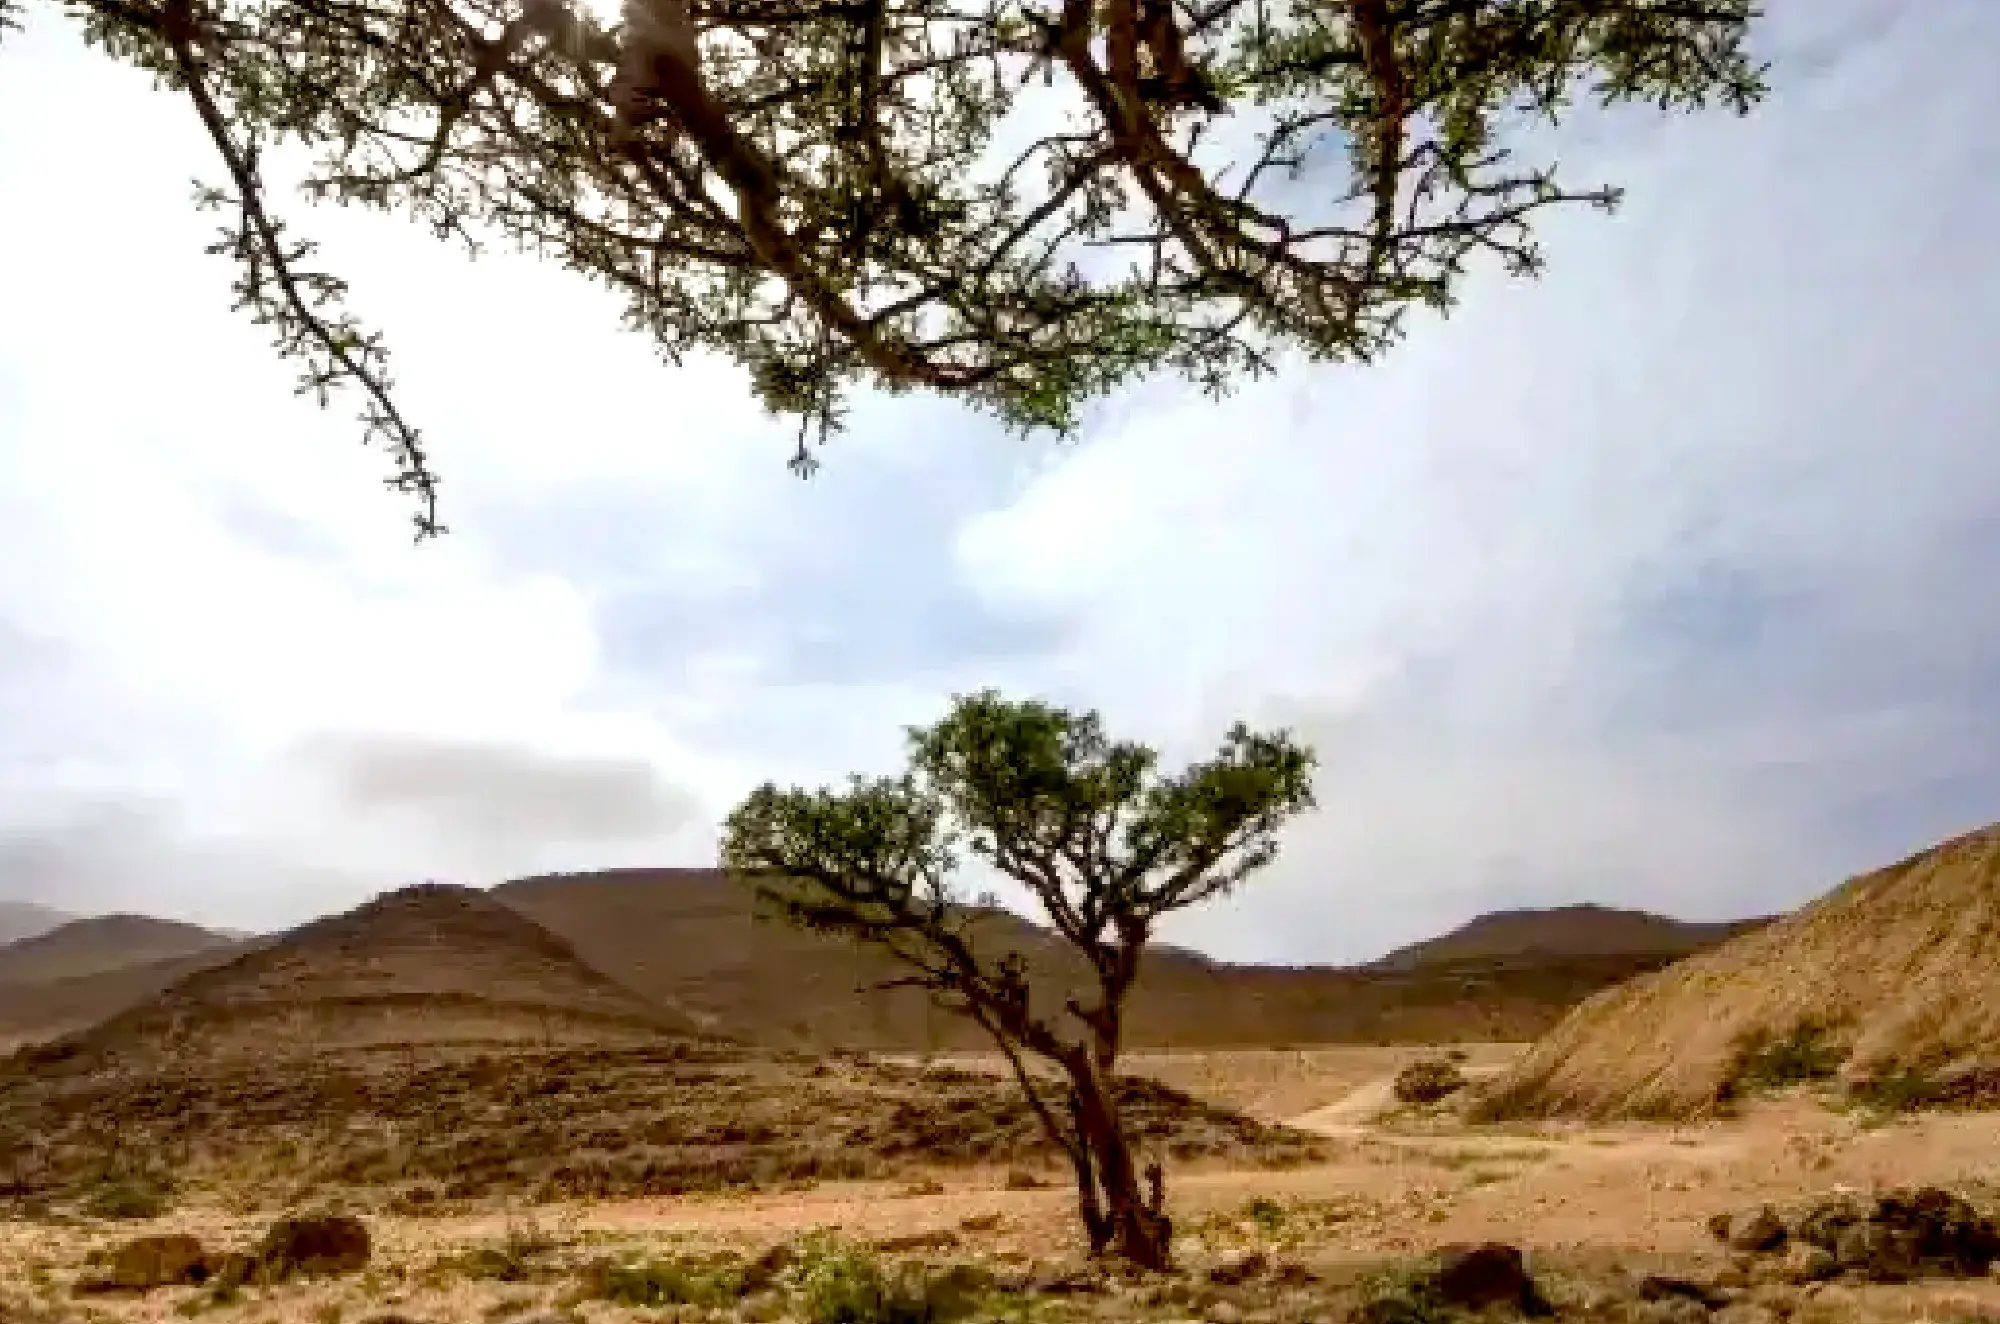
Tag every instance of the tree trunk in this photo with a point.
(1125, 1223)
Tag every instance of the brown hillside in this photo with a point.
(25, 919)
(45, 1009)
(690, 937)
(427, 964)
(102, 943)
(1562, 931)
(1902, 966)
(435, 1047)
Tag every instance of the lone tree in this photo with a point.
(1025, 203)
(1105, 842)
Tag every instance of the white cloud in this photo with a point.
(1662, 581)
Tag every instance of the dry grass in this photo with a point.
(1899, 969)
(448, 1130)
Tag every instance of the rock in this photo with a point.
(765, 1270)
(1807, 1263)
(232, 1269)
(1822, 1224)
(1718, 1226)
(934, 1239)
(326, 1244)
(1757, 1233)
(979, 1223)
(1489, 1274)
(144, 1263)
(1059, 1281)
(1390, 1310)
(1665, 1287)
(1941, 1233)
(1225, 1312)
(1745, 1312)
(1668, 1310)
(1238, 1267)
(1877, 1253)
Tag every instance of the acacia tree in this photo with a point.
(1104, 842)
(1024, 203)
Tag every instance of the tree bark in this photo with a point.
(1121, 1220)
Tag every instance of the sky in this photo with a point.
(1664, 581)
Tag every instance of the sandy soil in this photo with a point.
(1391, 1184)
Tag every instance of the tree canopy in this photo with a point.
(1024, 203)
(1104, 842)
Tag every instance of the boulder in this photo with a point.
(1805, 1262)
(325, 1244)
(1668, 1310)
(1489, 1274)
(1664, 1287)
(1238, 1267)
(167, 1260)
(1757, 1232)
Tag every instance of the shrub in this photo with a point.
(132, 1197)
(1902, 1090)
(1802, 1056)
(1428, 1079)
(667, 1281)
(846, 1285)
(1267, 1214)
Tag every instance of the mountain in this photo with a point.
(25, 919)
(437, 1049)
(691, 938)
(83, 947)
(1893, 971)
(1579, 930)
(425, 965)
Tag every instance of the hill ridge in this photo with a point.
(425, 963)
(1900, 965)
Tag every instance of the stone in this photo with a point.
(1225, 1312)
(168, 1260)
(1757, 1233)
(1389, 1310)
(1668, 1310)
(1745, 1312)
(1878, 1253)
(1665, 1287)
(766, 1269)
(1489, 1274)
(1238, 1267)
(1805, 1262)
(232, 1269)
(324, 1244)
(934, 1239)
(1822, 1224)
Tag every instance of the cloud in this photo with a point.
(502, 793)
(1663, 581)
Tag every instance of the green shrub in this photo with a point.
(1906, 1089)
(1267, 1214)
(1802, 1056)
(667, 1281)
(134, 1196)
(845, 1285)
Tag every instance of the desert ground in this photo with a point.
(1594, 1207)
